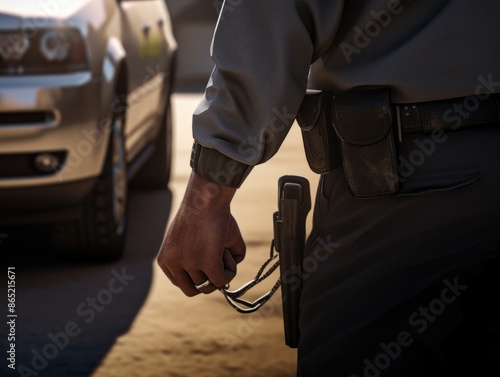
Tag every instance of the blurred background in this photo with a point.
(193, 23)
(117, 315)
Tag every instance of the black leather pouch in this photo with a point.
(363, 122)
(320, 140)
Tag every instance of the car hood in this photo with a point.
(44, 9)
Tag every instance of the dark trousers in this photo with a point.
(408, 285)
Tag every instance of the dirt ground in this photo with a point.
(173, 335)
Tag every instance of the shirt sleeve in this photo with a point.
(262, 50)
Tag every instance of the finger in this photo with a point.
(221, 271)
(186, 284)
(234, 241)
(201, 279)
(160, 260)
(229, 266)
(167, 272)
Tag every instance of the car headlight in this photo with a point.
(48, 51)
(13, 48)
(54, 45)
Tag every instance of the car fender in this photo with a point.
(114, 77)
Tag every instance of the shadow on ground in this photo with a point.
(69, 315)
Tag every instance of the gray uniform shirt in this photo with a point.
(267, 52)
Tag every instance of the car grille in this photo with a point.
(26, 118)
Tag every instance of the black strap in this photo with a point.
(448, 115)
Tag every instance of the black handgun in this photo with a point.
(294, 203)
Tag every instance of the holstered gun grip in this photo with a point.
(294, 203)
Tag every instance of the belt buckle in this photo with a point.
(407, 120)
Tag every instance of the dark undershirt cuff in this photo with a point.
(218, 168)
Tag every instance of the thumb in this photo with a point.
(229, 266)
(234, 241)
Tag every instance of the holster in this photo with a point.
(294, 203)
(353, 130)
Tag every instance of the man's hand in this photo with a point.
(203, 241)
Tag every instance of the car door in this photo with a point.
(147, 39)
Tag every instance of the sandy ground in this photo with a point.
(147, 327)
(178, 336)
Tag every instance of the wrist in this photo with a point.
(202, 194)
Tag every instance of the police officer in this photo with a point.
(409, 289)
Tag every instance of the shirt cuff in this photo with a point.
(218, 168)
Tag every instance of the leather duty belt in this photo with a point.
(357, 129)
(447, 115)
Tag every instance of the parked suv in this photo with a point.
(84, 112)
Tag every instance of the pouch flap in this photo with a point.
(309, 110)
(364, 117)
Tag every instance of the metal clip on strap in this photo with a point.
(243, 306)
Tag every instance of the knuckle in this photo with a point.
(191, 264)
(160, 260)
